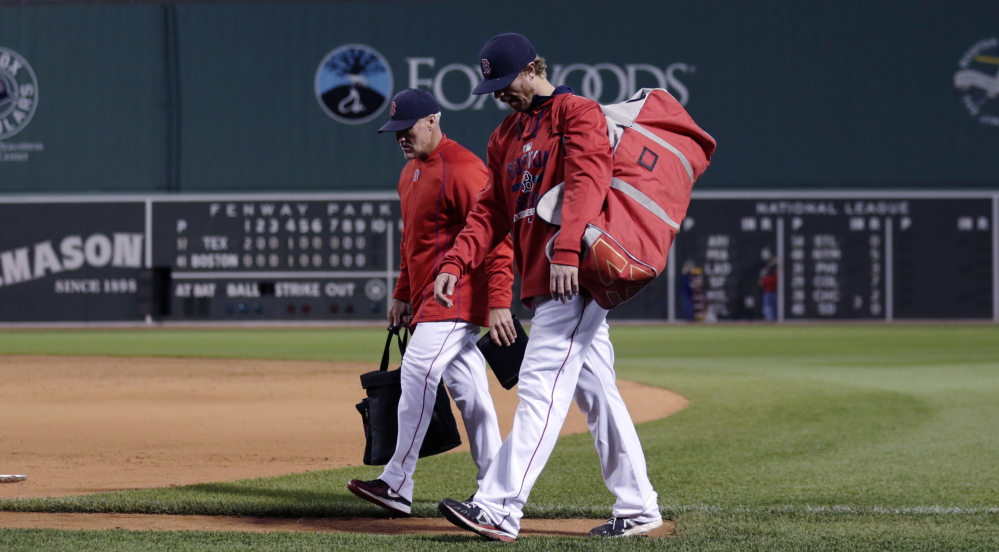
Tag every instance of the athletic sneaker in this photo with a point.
(624, 527)
(469, 516)
(378, 492)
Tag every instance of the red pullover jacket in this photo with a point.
(436, 196)
(527, 158)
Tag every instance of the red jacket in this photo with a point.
(526, 159)
(768, 282)
(436, 196)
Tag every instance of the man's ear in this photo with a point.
(532, 70)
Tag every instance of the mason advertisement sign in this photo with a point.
(65, 260)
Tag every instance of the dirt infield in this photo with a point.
(85, 425)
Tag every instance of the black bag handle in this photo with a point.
(403, 340)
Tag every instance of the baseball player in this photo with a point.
(569, 356)
(437, 189)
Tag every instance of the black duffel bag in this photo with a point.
(380, 411)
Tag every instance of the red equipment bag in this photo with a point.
(659, 152)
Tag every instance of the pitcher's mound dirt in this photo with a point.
(79, 425)
(373, 526)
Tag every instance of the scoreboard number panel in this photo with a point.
(945, 260)
(876, 257)
(730, 245)
(277, 258)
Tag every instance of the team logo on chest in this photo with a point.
(527, 183)
(519, 170)
(527, 199)
(416, 175)
(526, 172)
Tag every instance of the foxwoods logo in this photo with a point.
(977, 81)
(18, 93)
(353, 84)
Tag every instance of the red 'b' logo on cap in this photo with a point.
(392, 110)
(485, 67)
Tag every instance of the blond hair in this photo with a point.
(540, 67)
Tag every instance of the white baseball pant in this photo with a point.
(442, 349)
(569, 356)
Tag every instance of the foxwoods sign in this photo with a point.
(354, 82)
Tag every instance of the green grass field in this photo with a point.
(797, 437)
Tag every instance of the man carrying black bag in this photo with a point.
(380, 410)
(437, 189)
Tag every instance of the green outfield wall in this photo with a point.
(265, 97)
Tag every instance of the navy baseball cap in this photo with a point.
(501, 60)
(409, 106)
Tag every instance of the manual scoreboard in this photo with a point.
(334, 257)
(277, 257)
(845, 256)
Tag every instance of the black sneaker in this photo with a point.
(469, 516)
(378, 492)
(624, 527)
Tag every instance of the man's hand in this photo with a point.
(399, 313)
(444, 288)
(564, 282)
(501, 328)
